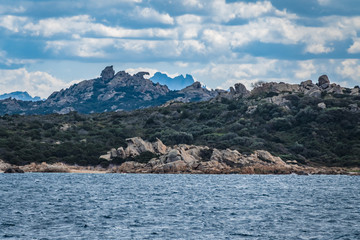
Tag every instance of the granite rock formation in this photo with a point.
(198, 159)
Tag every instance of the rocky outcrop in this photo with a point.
(306, 87)
(107, 73)
(13, 170)
(193, 159)
(195, 92)
(122, 91)
(324, 82)
(238, 91)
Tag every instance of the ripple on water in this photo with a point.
(116, 206)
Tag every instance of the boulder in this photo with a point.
(4, 165)
(136, 146)
(324, 82)
(159, 147)
(130, 167)
(314, 92)
(121, 152)
(268, 158)
(108, 73)
(175, 167)
(113, 153)
(173, 156)
(354, 107)
(13, 170)
(307, 84)
(106, 156)
(322, 105)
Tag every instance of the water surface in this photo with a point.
(149, 206)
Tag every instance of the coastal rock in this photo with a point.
(4, 165)
(44, 167)
(13, 170)
(130, 167)
(136, 146)
(267, 157)
(175, 167)
(159, 147)
(190, 158)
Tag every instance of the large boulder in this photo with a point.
(324, 82)
(136, 146)
(108, 73)
(13, 170)
(268, 158)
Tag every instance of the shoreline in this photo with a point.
(250, 170)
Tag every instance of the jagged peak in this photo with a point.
(141, 74)
(108, 73)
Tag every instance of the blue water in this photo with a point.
(117, 206)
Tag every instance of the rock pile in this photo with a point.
(197, 159)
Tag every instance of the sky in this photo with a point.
(47, 45)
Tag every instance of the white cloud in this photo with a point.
(224, 12)
(35, 83)
(193, 3)
(306, 70)
(250, 70)
(318, 48)
(6, 9)
(355, 47)
(12, 23)
(350, 69)
(153, 16)
(85, 47)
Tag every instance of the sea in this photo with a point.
(151, 206)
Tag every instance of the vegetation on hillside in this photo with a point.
(300, 131)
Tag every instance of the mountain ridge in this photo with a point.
(20, 95)
(109, 92)
(175, 83)
(124, 92)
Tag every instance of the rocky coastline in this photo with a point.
(154, 157)
(136, 168)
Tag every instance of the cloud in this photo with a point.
(152, 16)
(12, 23)
(306, 69)
(193, 3)
(6, 9)
(349, 69)
(318, 48)
(355, 47)
(224, 12)
(324, 2)
(36, 83)
(85, 47)
(251, 70)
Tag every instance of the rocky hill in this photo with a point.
(306, 124)
(109, 92)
